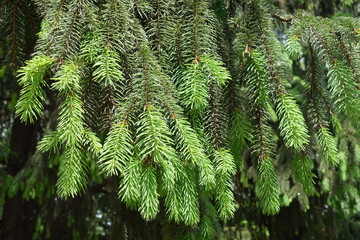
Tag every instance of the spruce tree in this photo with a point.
(173, 105)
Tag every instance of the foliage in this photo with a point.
(178, 99)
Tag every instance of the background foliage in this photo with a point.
(191, 119)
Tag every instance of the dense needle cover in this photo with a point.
(180, 99)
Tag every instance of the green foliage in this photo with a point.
(225, 168)
(177, 99)
(240, 132)
(70, 131)
(108, 69)
(32, 95)
(190, 202)
(117, 150)
(303, 170)
(154, 145)
(292, 124)
(328, 146)
(70, 127)
(343, 90)
(267, 188)
(215, 70)
(262, 145)
(130, 185)
(149, 201)
(193, 89)
(72, 177)
(293, 47)
(192, 151)
(256, 79)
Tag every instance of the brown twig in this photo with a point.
(281, 18)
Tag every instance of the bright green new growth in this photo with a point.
(192, 151)
(193, 89)
(214, 70)
(149, 201)
(117, 150)
(190, 204)
(196, 79)
(32, 95)
(70, 135)
(70, 131)
(292, 124)
(130, 184)
(225, 169)
(154, 145)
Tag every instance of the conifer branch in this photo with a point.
(192, 151)
(32, 95)
(303, 166)
(225, 169)
(117, 149)
(149, 201)
(70, 131)
(293, 47)
(55, 28)
(190, 201)
(325, 138)
(292, 124)
(349, 60)
(130, 184)
(267, 187)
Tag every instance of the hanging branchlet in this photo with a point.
(67, 30)
(225, 169)
(16, 24)
(160, 25)
(149, 201)
(292, 124)
(192, 151)
(209, 221)
(293, 47)
(325, 44)
(130, 184)
(32, 94)
(303, 170)
(267, 188)
(153, 143)
(71, 134)
(256, 79)
(194, 88)
(262, 146)
(343, 90)
(350, 55)
(326, 140)
(117, 149)
(240, 133)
